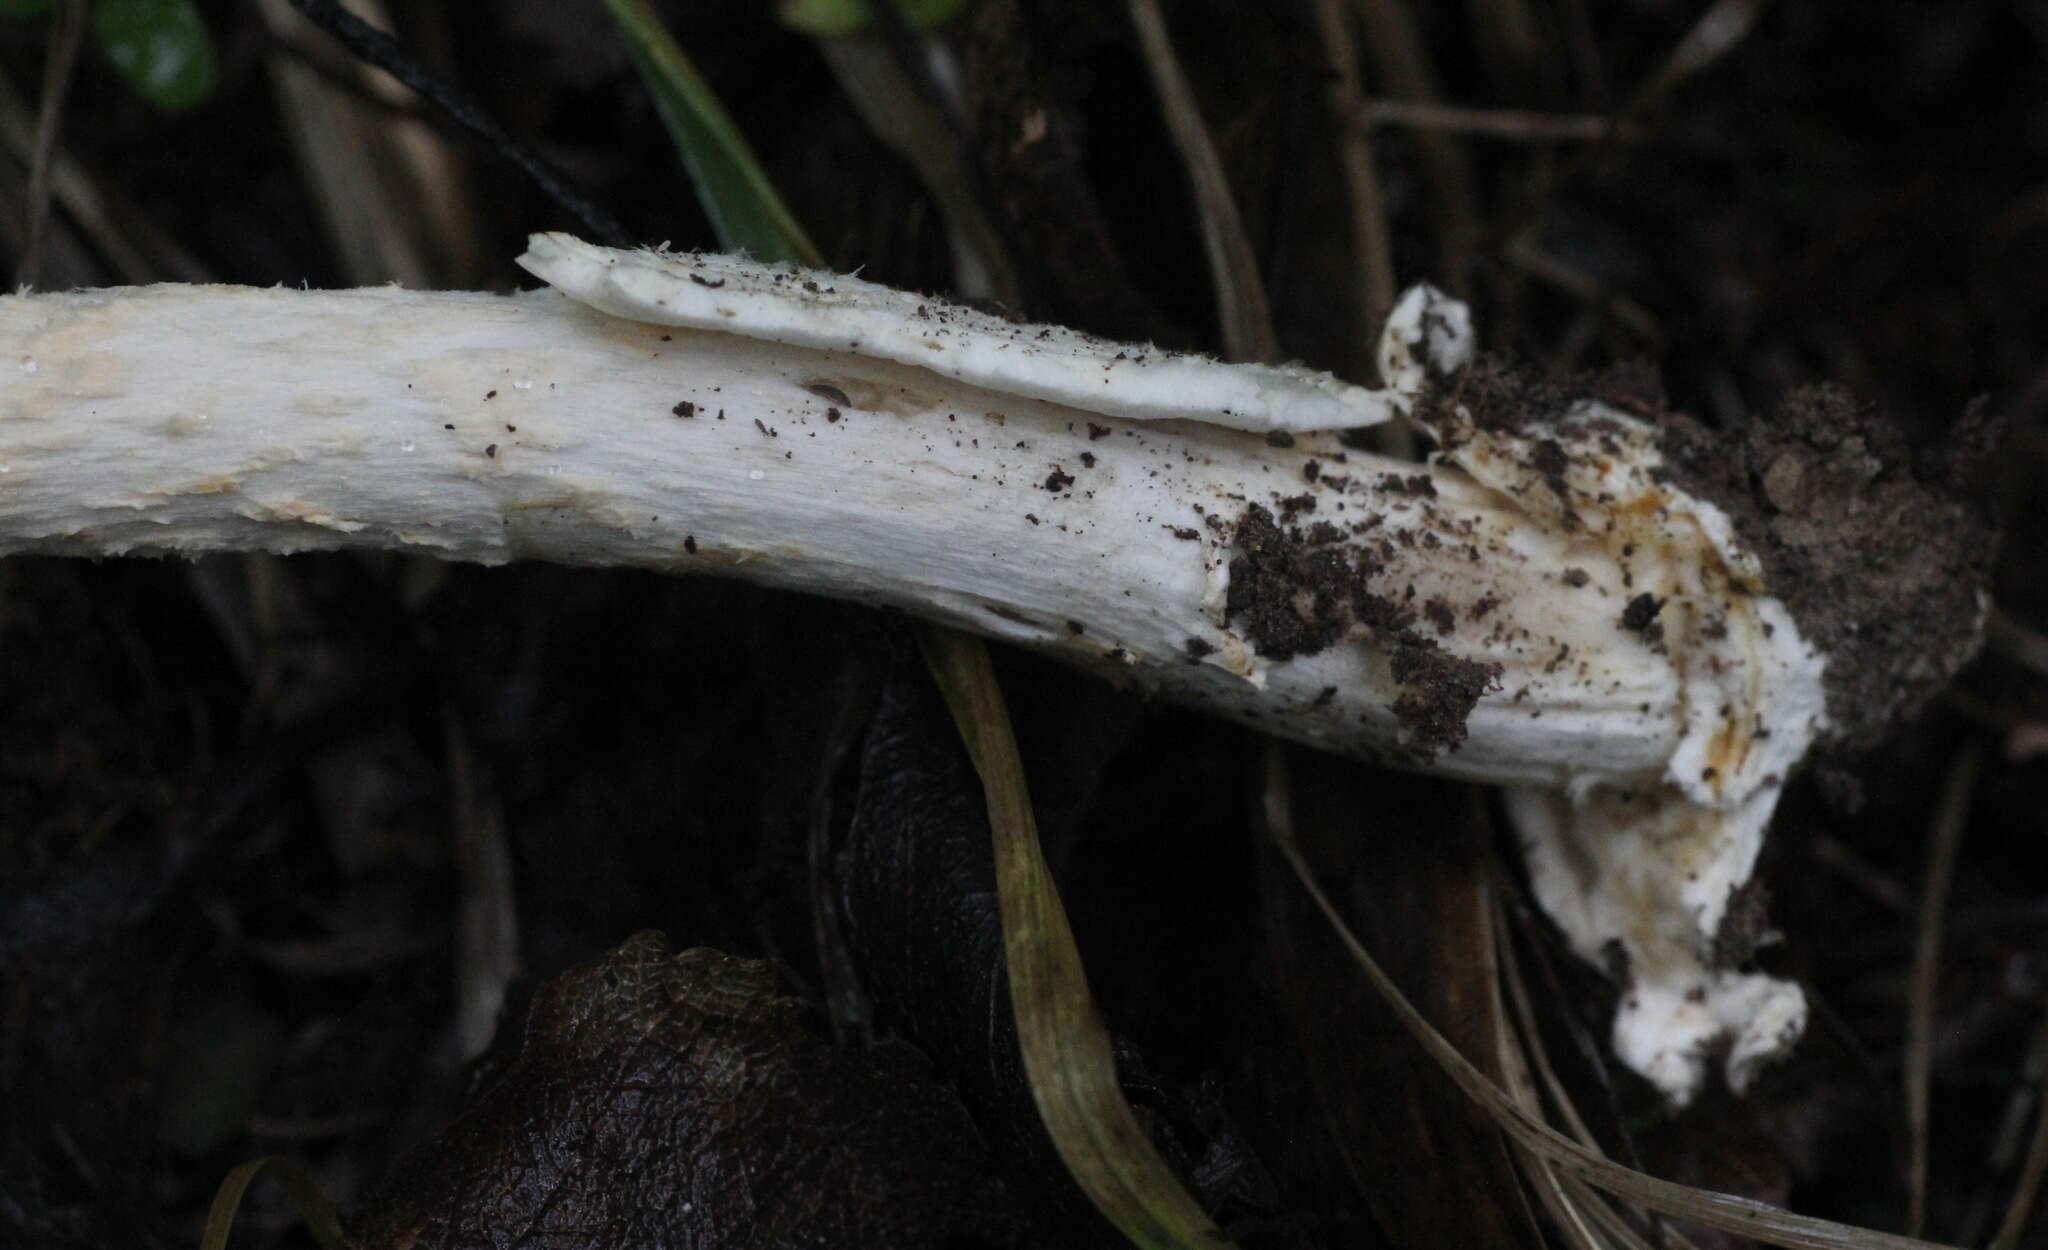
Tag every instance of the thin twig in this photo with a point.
(67, 29)
(392, 190)
(1525, 255)
(1361, 175)
(134, 249)
(1402, 63)
(2032, 1172)
(1513, 125)
(1242, 312)
(1877, 884)
(1944, 838)
(384, 52)
(1356, 159)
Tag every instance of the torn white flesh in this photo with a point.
(473, 427)
(483, 428)
(835, 312)
(1646, 867)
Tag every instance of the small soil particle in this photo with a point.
(831, 416)
(1058, 480)
(491, 451)
(1087, 459)
(1576, 578)
(1294, 505)
(1279, 438)
(685, 409)
(1200, 647)
(1097, 431)
(1420, 485)
(1641, 612)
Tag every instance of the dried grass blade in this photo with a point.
(1066, 1049)
(1728, 1212)
(1944, 839)
(2028, 1188)
(1242, 311)
(308, 1201)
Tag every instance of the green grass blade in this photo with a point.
(1067, 1054)
(736, 194)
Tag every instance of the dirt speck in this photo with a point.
(1641, 612)
(1418, 484)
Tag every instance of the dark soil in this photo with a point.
(257, 815)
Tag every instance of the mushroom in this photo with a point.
(1542, 606)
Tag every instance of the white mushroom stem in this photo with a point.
(818, 433)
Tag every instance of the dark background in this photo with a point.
(241, 800)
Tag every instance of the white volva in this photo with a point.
(818, 432)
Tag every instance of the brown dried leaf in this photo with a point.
(676, 1100)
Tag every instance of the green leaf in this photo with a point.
(736, 194)
(160, 47)
(828, 19)
(24, 8)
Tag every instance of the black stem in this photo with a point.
(384, 52)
